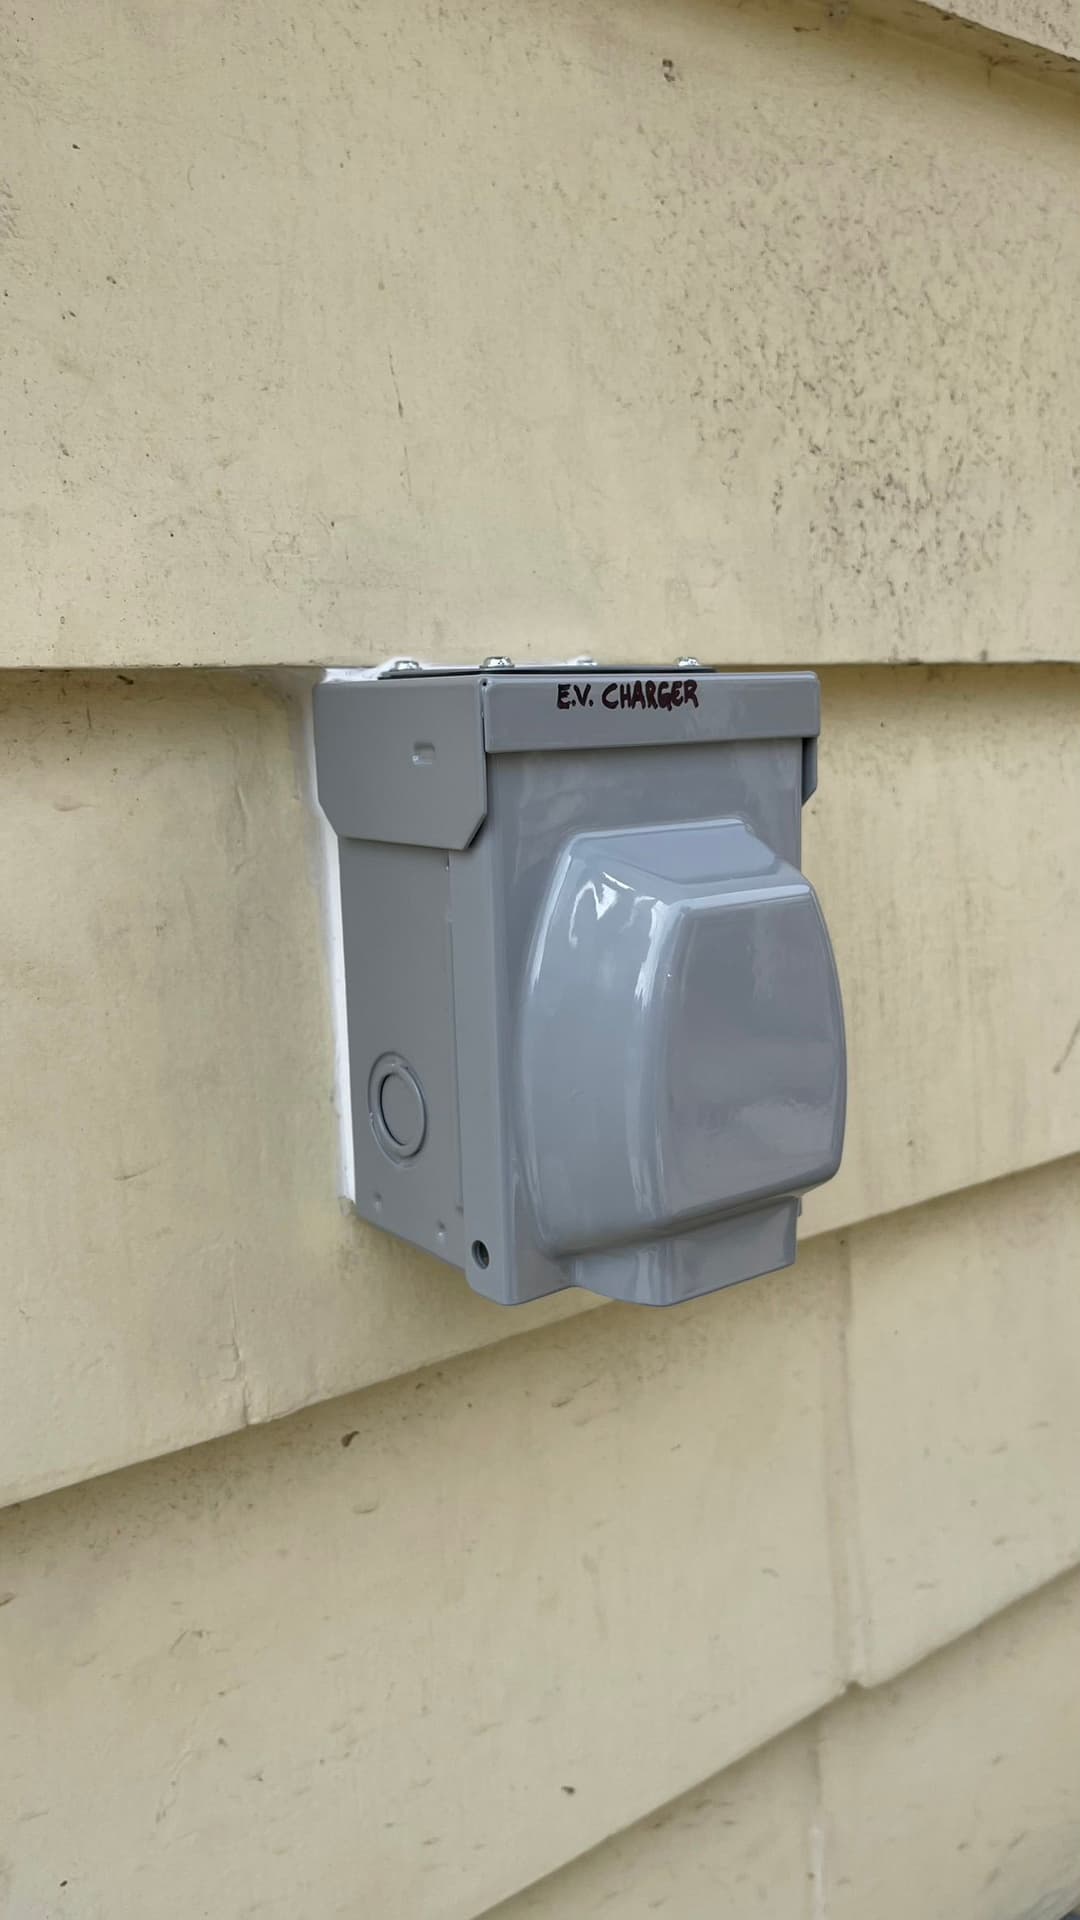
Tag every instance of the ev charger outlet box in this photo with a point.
(595, 1030)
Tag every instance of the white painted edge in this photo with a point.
(334, 940)
(296, 688)
(334, 944)
(354, 673)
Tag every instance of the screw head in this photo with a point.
(497, 660)
(405, 666)
(687, 660)
(583, 660)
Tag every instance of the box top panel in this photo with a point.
(401, 756)
(592, 707)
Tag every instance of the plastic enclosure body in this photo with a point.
(595, 1030)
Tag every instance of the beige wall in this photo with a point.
(363, 331)
(169, 1053)
(951, 1793)
(343, 331)
(414, 1650)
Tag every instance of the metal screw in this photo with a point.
(497, 660)
(583, 660)
(687, 660)
(405, 666)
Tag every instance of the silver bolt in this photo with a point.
(497, 660)
(405, 666)
(687, 660)
(583, 660)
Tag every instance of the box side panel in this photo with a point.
(394, 907)
(500, 1262)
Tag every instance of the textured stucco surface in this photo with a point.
(465, 328)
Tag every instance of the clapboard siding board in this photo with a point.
(406, 1653)
(454, 329)
(414, 1650)
(954, 1791)
(168, 1143)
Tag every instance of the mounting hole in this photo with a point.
(396, 1106)
(480, 1254)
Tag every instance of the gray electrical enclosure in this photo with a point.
(595, 1031)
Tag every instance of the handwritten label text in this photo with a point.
(661, 695)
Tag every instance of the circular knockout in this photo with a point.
(396, 1105)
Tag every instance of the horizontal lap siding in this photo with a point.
(451, 330)
(955, 1791)
(168, 1146)
(945, 843)
(416, 1649)
(407, 1653)
(961, 1355)
(461, 329)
